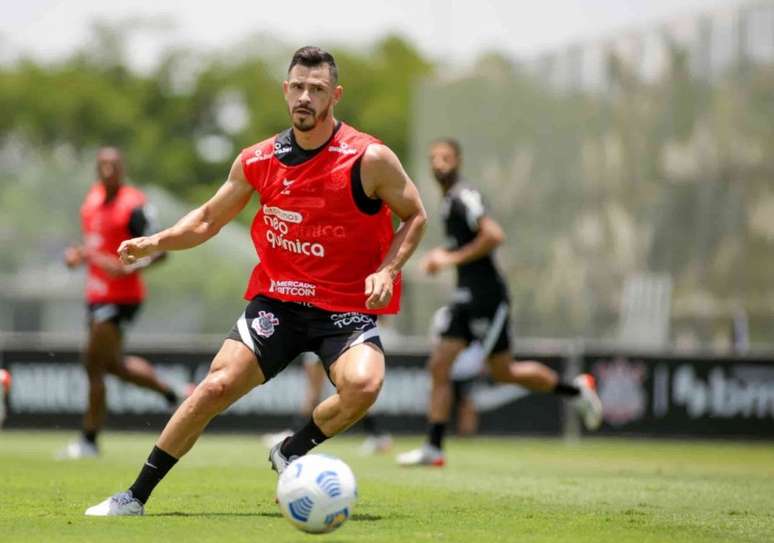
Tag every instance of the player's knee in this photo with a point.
(362, 391)
(119, 370)
(212, 391)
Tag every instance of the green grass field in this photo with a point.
(492, 490)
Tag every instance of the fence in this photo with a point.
(659, 395)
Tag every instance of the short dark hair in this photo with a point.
(311, 56)
(451, 142)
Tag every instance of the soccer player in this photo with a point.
(479, 310)
(329, 263)
(112, 212)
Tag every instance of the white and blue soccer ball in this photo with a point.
(316, 493)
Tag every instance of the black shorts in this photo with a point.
(277, 332)
(118, 314)
(486, 320)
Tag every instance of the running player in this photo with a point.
(479, 310)
(111, 213)
(330, 262)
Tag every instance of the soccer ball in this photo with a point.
(316, 493)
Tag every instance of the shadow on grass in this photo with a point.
(355, 518)
(273, 514)
(207, 514)
(365, 517)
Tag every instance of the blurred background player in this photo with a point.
(480, 309)
(377, 440)
(111, 213)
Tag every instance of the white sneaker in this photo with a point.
(77, 450)
(376, 445)
(427, 455)
(278, 460)
(120, 505)
(588, 404)
(271, 439)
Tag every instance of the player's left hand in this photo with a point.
(378, 288)
(436, 260)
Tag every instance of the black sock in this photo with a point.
(563, 389)
(299, 420)
(435, 436)
(90, 436)
(151, 474)
(303, 441)
(171, 398)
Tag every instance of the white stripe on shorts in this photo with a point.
(244, 332)
(368, 334)
(104, 313)
(495, 328)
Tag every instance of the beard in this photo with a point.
(445, 179)
(311, 118)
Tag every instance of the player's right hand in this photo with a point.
(435, 260)
(131, 250)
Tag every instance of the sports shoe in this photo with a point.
(278, 460)
(588, 404)
(77, 450)
(119, 505)
(376, 444)
(427, 455)
(271, 439)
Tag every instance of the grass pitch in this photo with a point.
(493, 490)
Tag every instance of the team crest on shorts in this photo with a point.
(264, 323)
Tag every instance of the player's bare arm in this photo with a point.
(112, 264)
(384, 178)
(77, 255)
(197, 226)
(490, 236)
